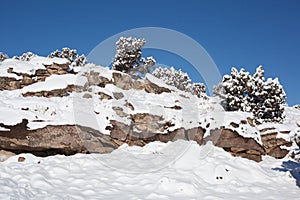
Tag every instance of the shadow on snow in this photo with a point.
(293, 168)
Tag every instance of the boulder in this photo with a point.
(52, 140)
(119, 131)
(133, 134)
(104, 96)
(118, 95)
(122, 80)
(237, 145)
(151, 87)
(8, 83)
(273, 145)
(94, 78)
(51, 93)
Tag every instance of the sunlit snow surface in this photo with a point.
(176, 170)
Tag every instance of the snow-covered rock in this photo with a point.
(49, 92)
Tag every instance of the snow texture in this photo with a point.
(174, 170)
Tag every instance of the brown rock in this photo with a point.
(250, 121)
(227, 138)
(51, 140)
(254, 152)
(94, 78)
(176, 107)
(243, 122)
(256, 158)
(119, 130)
(138, 85)
(147, 123)
(267, 129)
(51, 93)
(10, 70)
(122, 80)
(236, 144)
(118, 95)
(87, 96)
(4, 155)
(119, 111)
(27, 80)
(234, 125)
(7, 83)
(21, 159)
(104, 96)
(237, 150)
(129, 105)
(154, 88)
(42, 72)
(277, 152)
(272, 145)
(172, 136)
(195, 134)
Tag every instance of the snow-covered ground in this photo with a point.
(175, 170)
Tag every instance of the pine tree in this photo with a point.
(241, 91)
(3, 56)
(180, 80)
(71, 55)
(25, 56)
(129, 58)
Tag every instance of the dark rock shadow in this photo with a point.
(293, 168)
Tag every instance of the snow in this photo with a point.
(51, 83)
(48, 111)
(27, 67)
(173, 170)
(96, 114)
(42, 61)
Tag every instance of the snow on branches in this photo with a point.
(71, 55)
(129, 58)
(180, 80)
(25, 56)
(241, 91)
(3, 56)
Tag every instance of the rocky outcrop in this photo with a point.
(9, 83)
(145, 128)
(51, 140)
(274, 146)
(51, 93)
(237, 145)
(154, 88)
(124, 82)
(122, 133)
(94, 78)
(141, 129)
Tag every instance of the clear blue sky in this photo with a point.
(235, 33)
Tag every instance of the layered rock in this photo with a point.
(51, 140)
(10, 83)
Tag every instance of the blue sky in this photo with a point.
(235, 33)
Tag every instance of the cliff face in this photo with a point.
(49, 107)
